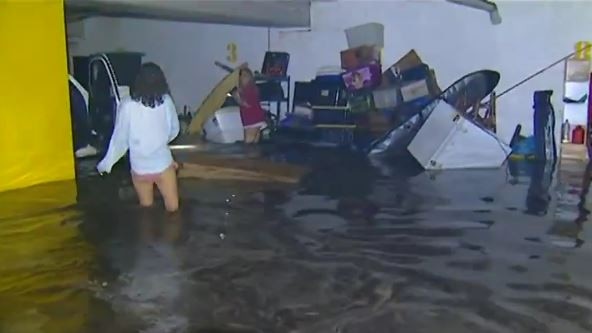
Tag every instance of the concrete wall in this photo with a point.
(185, 51)
(454, 40)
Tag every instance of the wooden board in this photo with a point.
(216, 167)
(213, 101)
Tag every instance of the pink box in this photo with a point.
(365, 77)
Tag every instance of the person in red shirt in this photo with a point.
(252, 115)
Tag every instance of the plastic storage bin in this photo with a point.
(225, 126)
(365, 34)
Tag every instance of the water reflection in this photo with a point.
(45, 262)
(356, 247)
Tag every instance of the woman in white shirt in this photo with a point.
(145, 124)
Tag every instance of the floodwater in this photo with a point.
(357, 246)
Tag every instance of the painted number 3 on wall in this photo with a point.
(232, 53)
(583, 50)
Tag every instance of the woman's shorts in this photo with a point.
(151, 177)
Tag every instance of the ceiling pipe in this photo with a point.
(485, 5)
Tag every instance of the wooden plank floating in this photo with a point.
(210, 166)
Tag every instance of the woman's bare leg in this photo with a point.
(145, 191)
(257, 135)
(167, 185)
(251, 135)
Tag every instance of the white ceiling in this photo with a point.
(267, 13)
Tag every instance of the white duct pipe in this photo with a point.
(485, 5)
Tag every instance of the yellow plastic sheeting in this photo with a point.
(35, 126)
(46, 263)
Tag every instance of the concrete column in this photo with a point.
(35, 125)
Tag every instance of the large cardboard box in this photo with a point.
(408, 61)
(418, 89)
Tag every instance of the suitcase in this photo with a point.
(387, 98)
(359, 56)
(366, 77)
(327, 93)
(361, 102)
(275, 64)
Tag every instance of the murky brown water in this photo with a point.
(360, 248)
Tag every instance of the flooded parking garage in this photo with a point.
(369, 248)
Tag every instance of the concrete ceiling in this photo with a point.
(266, 13)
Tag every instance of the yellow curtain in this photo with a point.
(35, 125)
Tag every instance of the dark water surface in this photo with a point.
(356, 247)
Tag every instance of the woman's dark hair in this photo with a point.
(248, 71)
(150, 85)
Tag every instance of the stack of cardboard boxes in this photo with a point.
(363, 98)
(376, 98)
(406, 85)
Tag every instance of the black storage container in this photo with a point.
(328, 93)
(331, 116)
(302, 92)
(275, 64)
(336, 136)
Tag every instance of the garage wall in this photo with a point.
(186, 51)
(454, 40)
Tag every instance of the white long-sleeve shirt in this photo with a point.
(146, 132)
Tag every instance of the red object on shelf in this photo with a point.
(588, 121)
(578, 134)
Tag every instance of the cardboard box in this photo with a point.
(408, 61)
(359, 56)
(415, 90)
(434, 87)
(387, 98)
